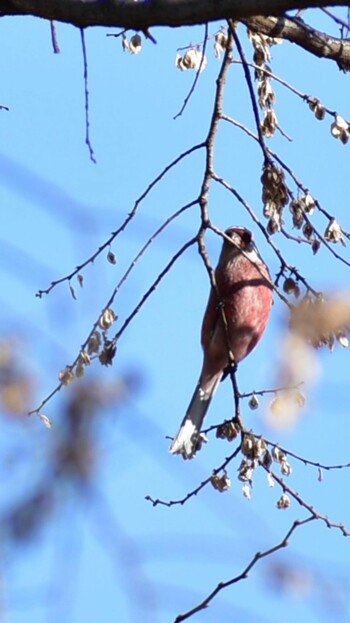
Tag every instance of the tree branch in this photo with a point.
(297, 31)
(141, 15)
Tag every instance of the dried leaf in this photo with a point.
(135, 44)
(72, 291)
(111, 258)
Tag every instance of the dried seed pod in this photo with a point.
(107, 355)
(269, 123)
(340, 128)
(192, 59)
(289, 285)
(66, 376)
(316, 243)
(248, 444)
(245, 471)
(46, 421)
(111, 258)
(253, 402)
(317, 108)
(308, 230)
(286, 468)
(247, 491)
(107, 318)
(267, 460)
(320, 112)
(220, 483)
(283, 502)
(308, 203)
(265, 93)
(297, 211)
(278, 455)
(135, 44)
(275, 224)
(342, 339)
(94, 342)
(333, 232)
(84, 357)
(312, 102)
(221, 40)
(228, 430)
(79, 370)
(259, 448)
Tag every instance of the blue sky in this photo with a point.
(106, 554)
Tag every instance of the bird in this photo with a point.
(243, 294)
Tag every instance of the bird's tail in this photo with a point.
(186, 440)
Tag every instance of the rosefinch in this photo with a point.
(244, 292)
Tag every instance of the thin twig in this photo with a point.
(111, 299)
(250, 86)
(194, 492)
(295, 495)
(191, 91)
(336, 19)
(207, 178)
(242, 576)
(286, 167)
(153, 287)
(54, 39)
(122, 227)
(86, 94)
(304, 460)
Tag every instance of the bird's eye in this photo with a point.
(247, 237)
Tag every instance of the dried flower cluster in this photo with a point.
(134, 45)
(317, 108)
(322, 322)
(290, 286)
(220, 483)
(333, 232)
(283, 502)
(192, 59)
(228, 430)
(340, 128)
(274, 196)
(266, 94)
(256, 452)
(220, 44)
(98, 345)
(253, 402)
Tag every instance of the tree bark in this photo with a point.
(142, 14)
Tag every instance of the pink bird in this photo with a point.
(244, 291)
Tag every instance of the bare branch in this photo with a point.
(127, 220)
(115, 291)
(244, 574)
(154, 286)
(157, 501)
(305, 504)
